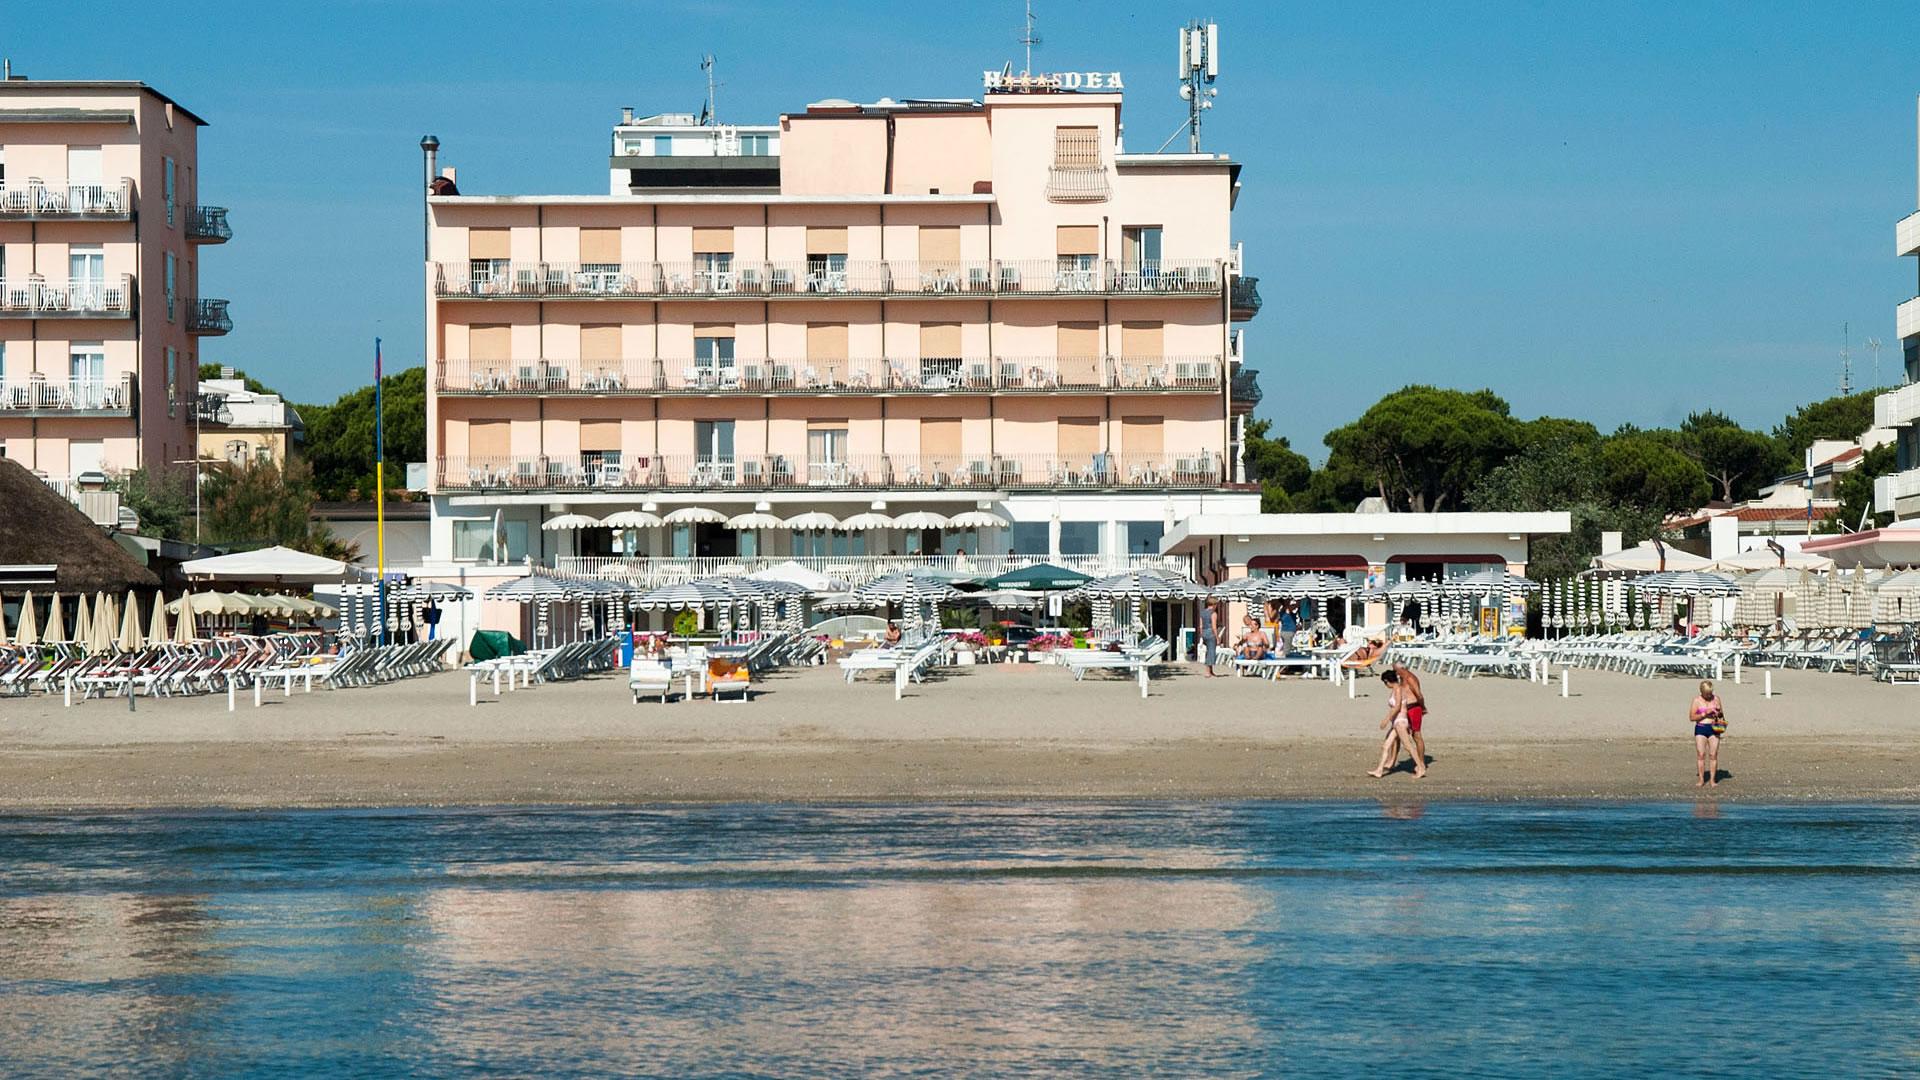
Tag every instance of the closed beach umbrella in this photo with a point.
(56, 621)
(100, 631)
(183, 629)
(26, 633)
(131, 638)
(82, 622)
(813, 521)
(3, 619)
(157, 631)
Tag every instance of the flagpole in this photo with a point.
(380, 489)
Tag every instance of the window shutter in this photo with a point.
(600, 246)
(489, 438)
(1077, 239)
(713, 240)
(1079, 437)
(826, 341)
(940, 339)
(599, 434)
(828, 240)
(1143, 339)
(939, 246)
(490, 343)
(940, 440)
(489, 243)
(600, 343)
(1142, 438)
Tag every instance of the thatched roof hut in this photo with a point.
(39, 527)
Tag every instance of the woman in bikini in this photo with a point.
(1709, 719)
(1396, 727)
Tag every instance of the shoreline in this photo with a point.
(986, 735)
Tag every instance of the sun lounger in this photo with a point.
(649, 677)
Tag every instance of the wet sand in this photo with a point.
(1020, 732)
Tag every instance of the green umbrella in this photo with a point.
(1039, 576)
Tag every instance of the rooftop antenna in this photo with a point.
(709, 116)
(1873, 346)
(1028, 38)
(1199, 66)
(1846, 359)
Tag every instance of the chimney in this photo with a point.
(626, 116)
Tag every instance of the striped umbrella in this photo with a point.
(1248, 589)
(684, 595)
(1310, 585)
(904, 588)
(1687, 583)
(1143, 584)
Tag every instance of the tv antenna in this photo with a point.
(1846, 359)
(1028, 38)
(1873, 346)
(1199, 66)
(709, 116)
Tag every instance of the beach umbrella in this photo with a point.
(1766, 559)
(922, 519)
(1250, 590)
(1007, 598)
(183, 629)
(700, 593)
(799, 574)
(26, 633)
(131, 638)
(56, 632)
(1687, 583)
(755, 521)
(1485, 580)
(1309, 585)
(1039, 576)
(813, 521)
(157, 631)
(1137, 583)
(531, 589)
(569, 522)
(633, 519)
(866, 521)
(100, 630)
(3, 619)
(82, 622)
(695, 515)
(904, 588)
(977, 519)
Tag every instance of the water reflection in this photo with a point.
(1158, 939)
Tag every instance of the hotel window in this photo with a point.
(87, 274)
(237, 451)
(1077, 174)
(87, 373)
(713, 352)
(826, 451)
(1079, 538)
(1078, 250)
(1076, 148)
(488, 255)
(600, 252)
(663, 146)
(939, 355)
(756, 145)
(1029, 538)
(173, 378)
(1076, 352)
(1140, 249)
(600, 451)
(475, 539)
(1143, 537)
(713, 442)
(826, 259)
(173, 274)
(713, 258)
(167, 187)
(489, 442)
(85, 188)
(826, 352)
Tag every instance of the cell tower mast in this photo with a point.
(1199, 66)
(710, 115)
(1028, 38)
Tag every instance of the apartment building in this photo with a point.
(882, 316)
(1899, 494)
(242, 426)
(101, 315)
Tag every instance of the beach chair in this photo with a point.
(729, 677)
(648, 676)
(1136, 660)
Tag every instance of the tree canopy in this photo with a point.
(1846, 417)
(1420, 447)
(257, 504)
(340, 436)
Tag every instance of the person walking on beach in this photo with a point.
(1289, 625)
(1395, 725)
(1213, 621)
(1416, 698)
(1709, 718)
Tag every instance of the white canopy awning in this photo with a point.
(813, 580)
(267, 564)
(1644, 558)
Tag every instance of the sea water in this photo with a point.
(1163, 939)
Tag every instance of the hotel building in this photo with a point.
(100, 307)
(863, 311)
(1899, 493)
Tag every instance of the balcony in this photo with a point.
(1906, 235)
(39, 201)
(1244, 301)
(1897, 408)
(208, 225)
(816, 378)
(1889, 490)
(1907, 318)
(610, 471)
(821, 280)
(37, 396)
(35, 297)
(852, 569)
(208, 318)
(1245, 392)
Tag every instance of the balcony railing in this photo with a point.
(617, 471)
(852, 569)
(825, 279)
(208, 318)
(1244, 299)
(37, 395)
(898, 375)
(1897, 408)
(208, 225)
(35, 200)
(1245, 392)
(1906, 318)
(1890, 489)
(80, 298)
(1906, 235)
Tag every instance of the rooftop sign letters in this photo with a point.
(1006, 82)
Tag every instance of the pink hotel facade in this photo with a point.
(100, 309)
(941, 306)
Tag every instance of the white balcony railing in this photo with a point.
(620, 471)
(852, 569)
(1907, 318)
(1906, 235)
(1897, 408)
(894, 375)
(38, 297)
(35, 199)
(824, 278)
(1890, 489)
(38, 394)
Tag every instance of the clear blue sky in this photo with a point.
(1616, 211)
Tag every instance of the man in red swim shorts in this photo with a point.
(1416, 697)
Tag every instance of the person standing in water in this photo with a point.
(1709, 719)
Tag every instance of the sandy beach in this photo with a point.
(1005, 732)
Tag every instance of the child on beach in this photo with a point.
(1709, 719)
